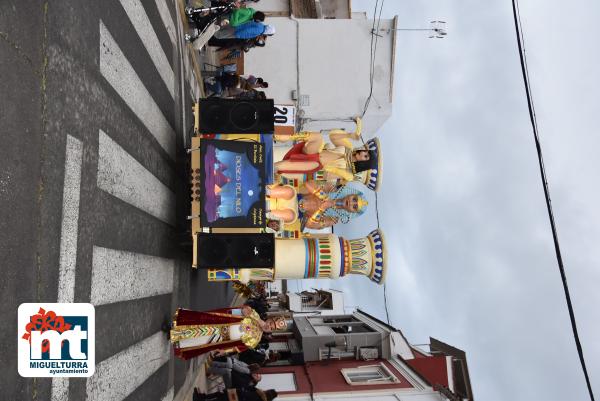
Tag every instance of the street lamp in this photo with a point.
(437, 30)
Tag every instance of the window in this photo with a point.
(340, 319)
(278, 381)
(352, 328)
(368, 375)
(335, 353)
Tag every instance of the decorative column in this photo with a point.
(321, 256)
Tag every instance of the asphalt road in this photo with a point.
(94, 113)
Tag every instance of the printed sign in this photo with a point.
(233, 177)
(285, 119)
(56, 340)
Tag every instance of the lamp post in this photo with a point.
(437, 30)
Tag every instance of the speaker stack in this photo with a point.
(228, 116)
(235, 250)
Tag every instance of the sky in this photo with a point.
(471, 260)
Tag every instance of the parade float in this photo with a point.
(263, 190)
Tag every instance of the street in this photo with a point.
(95, 117)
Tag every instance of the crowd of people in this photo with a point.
(236, 28)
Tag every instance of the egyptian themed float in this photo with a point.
(284, 183)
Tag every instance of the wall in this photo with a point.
(302, 383)
(271, 6)
(311, 341)
(329, 62)
(326, 377)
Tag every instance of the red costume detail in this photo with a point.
(296, 154)
(190, 317)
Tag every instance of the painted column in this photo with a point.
(322, 256)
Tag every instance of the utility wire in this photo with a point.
(532, 117)
(374, 39)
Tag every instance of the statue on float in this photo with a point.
(316, 205)
(338, 160)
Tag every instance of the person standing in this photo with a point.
(242, 15)
(242, 394)
(249, 30)
(235, 373)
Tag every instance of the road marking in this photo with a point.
(68, 241)
(138, 17)
(169, 395)
(119, 73)
(120, 276)
(181, 60)
(165, 15)
(118, 376)
(70, 220)
(122, 176)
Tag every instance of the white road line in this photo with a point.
(138, 17)
(119, 73)
(119, 375)
(122, 176)
(60, 389)
(70, 220)
(169, 395)
(165, 15)
(121, 276)
(182, 52)
(68, 241)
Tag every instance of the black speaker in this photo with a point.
(232, 116)
(222, 251)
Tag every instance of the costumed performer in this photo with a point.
(229, 329)
(316, 206)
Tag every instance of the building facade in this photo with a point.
(358, 357)
(320, 60)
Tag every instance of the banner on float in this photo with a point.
(233, 180)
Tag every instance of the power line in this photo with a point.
(524, 70)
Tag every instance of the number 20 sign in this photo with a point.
(285, 119)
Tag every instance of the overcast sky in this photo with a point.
(471, 259)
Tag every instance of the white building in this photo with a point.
(321, 302)
(320, 60)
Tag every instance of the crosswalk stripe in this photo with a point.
(169, 395)
(165, 15)
(118, 376)
(70, 220)
(120, 276)
(119, 73)
(138, 17)
(122, 176)
(68, 242)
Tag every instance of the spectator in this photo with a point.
(243, 394)
(235, 373)
(249, 94)
(242, 15)
(251, 356)
(249, 30)
(252, 83)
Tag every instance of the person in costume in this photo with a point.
(230, 329)
(316, 206)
